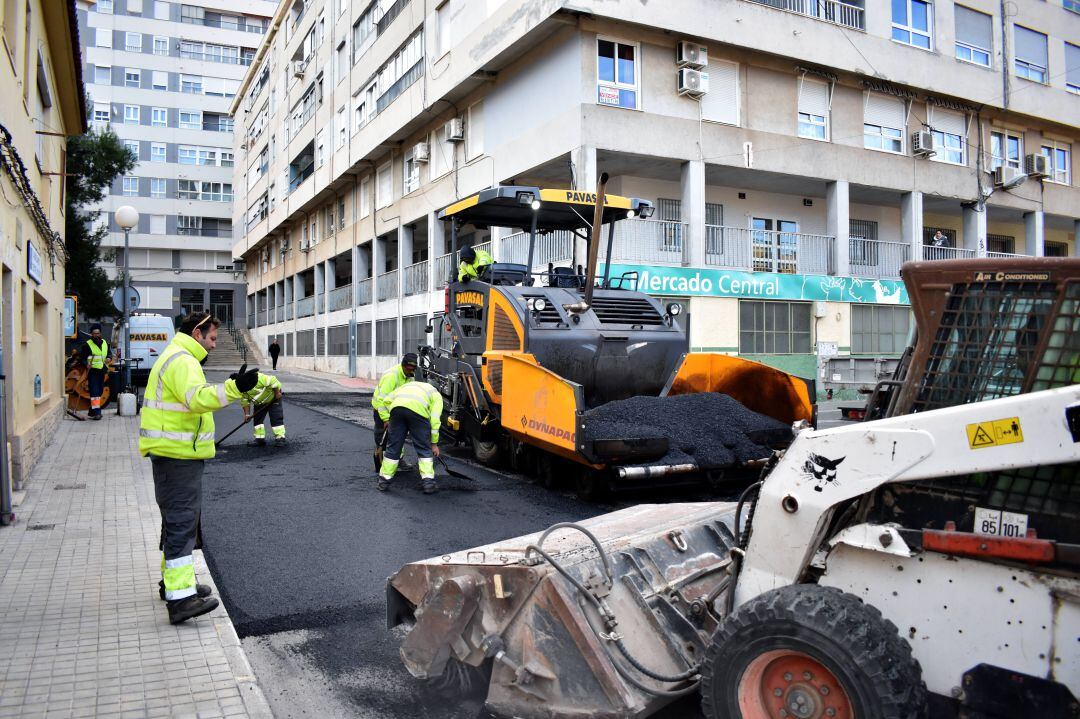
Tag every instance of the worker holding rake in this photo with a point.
(263, 400)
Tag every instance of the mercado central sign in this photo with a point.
(716, 282)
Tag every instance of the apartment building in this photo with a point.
(162, 75)
(43, 104)
(798, 152)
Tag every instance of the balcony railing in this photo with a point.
(215, 57)
(320, 303)
(251, 320)
(554, 247)
(875, 258)
(289, 310)
(838, 13)
(263, 318)
(305, 307)
(946, 253)
(414, 279)
(1006, 254)
(363, 292)
(340, 298)
(442, 269)
(224, 24)
(388, 286)
(280, 313)
(650, 241)
(769, 250)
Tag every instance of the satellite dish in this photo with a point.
(118, 299)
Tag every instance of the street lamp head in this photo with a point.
(127, 217)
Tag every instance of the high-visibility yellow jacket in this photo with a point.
(177, 413)
(264, 391)
(423, 399)
(472, 270)
(98, 354)
(389, 381)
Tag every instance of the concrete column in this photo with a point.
(1076, 238)
(1035, 233)
(975, 228)
(496, 235)
(911, 222)
(838, 224)
(692, 183)
(405, 246)
(320, 288)
(585, 176)
(330, 273)
(435, 248)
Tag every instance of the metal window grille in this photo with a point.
(386, 337)
(1001, 243)
(863, 253)
(363, 339)
(774, 327)
(878, 329)
(929, 232)
(412, 332)
(671, 230)
(305, 343)
(337, 341)
(1055, 249)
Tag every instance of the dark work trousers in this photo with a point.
(95, 378)
(178, 490)
(406, 423)
(273, 357)
(379, 425)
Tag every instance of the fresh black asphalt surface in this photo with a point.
(299, 541)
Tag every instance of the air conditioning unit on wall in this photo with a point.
(455, 130)
(299, 67)
(691, 54)
(1006, 175)
(922, 144)
(693, 82)
(1037, 165)
(421, 152)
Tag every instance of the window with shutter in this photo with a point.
(1030, 54)
(813, 120)
(950, 135)
(884, 121)
(474, 131)
(384, 188)
(721, 102)
(1072, 68)
(974, 36)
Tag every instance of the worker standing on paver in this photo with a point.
(94, 354)
(267, 394)
(416, 411)
(177, 432)
(389, 381)
(473, 263)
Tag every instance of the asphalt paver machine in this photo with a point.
(923, 564)
(522, 355)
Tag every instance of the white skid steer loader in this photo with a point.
(926, 564)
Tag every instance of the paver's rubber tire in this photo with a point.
(547, 470)
(486, 453)
(461, 681)
(590, 484)
(805, 649)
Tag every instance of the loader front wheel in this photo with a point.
(810, 652)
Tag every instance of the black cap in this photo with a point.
(95, 326)
(467, 253)
(409, 358)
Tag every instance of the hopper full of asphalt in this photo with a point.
(709, 429)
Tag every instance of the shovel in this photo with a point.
(259, 415)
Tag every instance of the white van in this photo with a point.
(150, 333)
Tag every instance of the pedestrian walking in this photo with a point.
(267, 392)
(415, 411)
(389, 381)
(275, 350)
(94, 354)
(177, 433)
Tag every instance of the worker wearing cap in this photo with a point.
(389, 381)
(415, 411)
(176, 431)
(266, 395)
(94, 354)
(473, 263)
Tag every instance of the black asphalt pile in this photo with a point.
(710, 429)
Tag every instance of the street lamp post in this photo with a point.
(126, 217)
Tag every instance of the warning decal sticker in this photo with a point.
(994, 433)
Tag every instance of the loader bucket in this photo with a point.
(756, 386)
(552, 654)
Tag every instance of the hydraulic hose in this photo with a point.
(592, 537)
(694, 670)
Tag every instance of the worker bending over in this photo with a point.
(176, 430)
(416, 411)
(265, 398)
(95, 353)
(473, 263)
(389, 381)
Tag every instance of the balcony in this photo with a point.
(251, 320)
(305, 307)
(363, 292)
(946, 253)
(648, 241)
(388, 286)
(443, 263)
(340, 298)
(225, 23)
(280, 313)
(414, 279)
(768, 250)
(553, 247)
(832, 11)
(874, 258)
(288, 310)
(1006, 254)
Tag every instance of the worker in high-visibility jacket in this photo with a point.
(177, 432)
(389, 381)
(266, 395)
(95, 353)
(415, 411)
(473, 263)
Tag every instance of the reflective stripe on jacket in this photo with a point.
(98, 354)
(389, 381)
(472, 271)
(177, 419)
(422, 398)
(264, 390)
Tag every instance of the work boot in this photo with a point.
(260, 441)
(383, 484)
(190, 607)
(279, 442)
(201, 590)
(429, 486)
(95, 417)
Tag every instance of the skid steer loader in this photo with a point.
(923, 564)
(520, 356)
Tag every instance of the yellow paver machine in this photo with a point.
(569, 372)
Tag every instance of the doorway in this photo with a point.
(775, 245)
